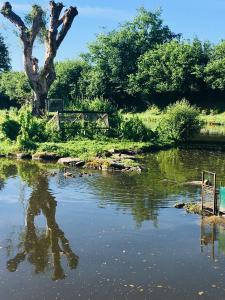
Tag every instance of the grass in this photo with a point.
(214, 118)
(8, 147)
(86, 149)
(193, 208)
(214, 124)
(81, 148)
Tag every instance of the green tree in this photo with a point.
(35, 26)
(114, 55)
(16, 87)
(67, 83)
(171, 67)
(215, 69)
(4, 56)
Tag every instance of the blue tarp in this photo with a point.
(222, 199)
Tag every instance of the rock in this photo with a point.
(45, 156)
(112, 151)
(127, 152)
(122, 151)
(11, 155)
(104, 154)
(119, 156)
(137, 169)
(68, 161)
(194, 183)
(80, 163)
(179, 205)
(23, 156)
(117, 166)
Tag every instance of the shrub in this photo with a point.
(34, 127)
(180, 122)
(153, 110)
(24, 142)
(96, 104)
(71, 130)
(134, 129)
(10, 129)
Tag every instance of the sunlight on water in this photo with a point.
(109, 235)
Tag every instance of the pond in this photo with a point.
(106, 235)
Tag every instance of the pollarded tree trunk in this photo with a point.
(41, 80)
(39, 100)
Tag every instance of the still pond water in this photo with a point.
(109, 235)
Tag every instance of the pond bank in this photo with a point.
(104, 155)
(95, 154)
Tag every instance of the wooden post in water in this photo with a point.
(202, 189)
(214, 196)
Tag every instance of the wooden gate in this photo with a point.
(209, 193)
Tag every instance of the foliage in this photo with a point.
(154, 110)
(10, 129)
(133, 129)
(15, 86)
(35, 10)
(67, 84)
(215, 69)
(114, 55)
(180, 122)
(86, 149)
(171, 67)
(94, 104)
(4, 56)
(32, 128)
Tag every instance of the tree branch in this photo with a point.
(8, 13)
(67, 21)
(36, 25)
(55, 11)
(55, 38)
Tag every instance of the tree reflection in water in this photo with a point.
(37, 246)
(212, 238)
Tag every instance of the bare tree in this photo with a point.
(41, 79)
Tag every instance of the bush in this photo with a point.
(34, 127)
(96, 104)
(134, 129)
(180, 122)
(153, 110)
(10, 129)
(24, 142)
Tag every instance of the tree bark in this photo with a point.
(41, 81)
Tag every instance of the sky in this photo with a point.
(193, 18)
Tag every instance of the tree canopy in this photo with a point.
(215, 70)
(114, 55)
(4, 56)
(171, 67)
(142, 61)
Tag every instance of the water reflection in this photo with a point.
(212, 238)
(119, 259)
(42, 248)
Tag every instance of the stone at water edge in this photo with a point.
(179, 205)
(68, 160)
(80, 163)
(23, 156)
(45, 156)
